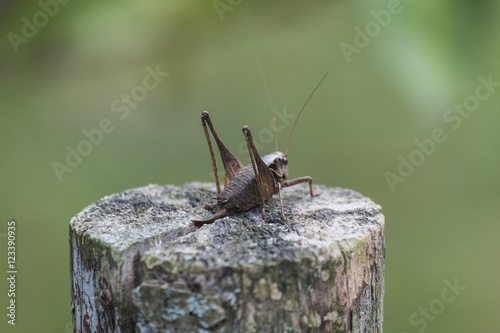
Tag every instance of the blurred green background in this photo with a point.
(69, 73)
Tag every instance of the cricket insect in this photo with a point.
(248, 186)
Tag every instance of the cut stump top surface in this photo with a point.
(161, 215)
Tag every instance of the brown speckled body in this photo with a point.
(242, 193)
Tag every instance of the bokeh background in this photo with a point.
(73, 71)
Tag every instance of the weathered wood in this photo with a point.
(139, 265)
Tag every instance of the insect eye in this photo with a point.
(285, 161)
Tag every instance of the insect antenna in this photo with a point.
(296, 119)
(269, 100)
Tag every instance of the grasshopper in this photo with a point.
(248, 186)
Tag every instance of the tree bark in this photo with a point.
(139, 265)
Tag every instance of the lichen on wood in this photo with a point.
(139, 265)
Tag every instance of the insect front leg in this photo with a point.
(296, 181)
(283, 217)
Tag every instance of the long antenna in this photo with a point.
(290, 138)
(269, 100)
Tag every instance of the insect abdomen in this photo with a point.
(241, 193)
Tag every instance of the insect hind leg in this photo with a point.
(254, 158)
(231, 164)
(205, 118)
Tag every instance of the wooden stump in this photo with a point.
(139, 265)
